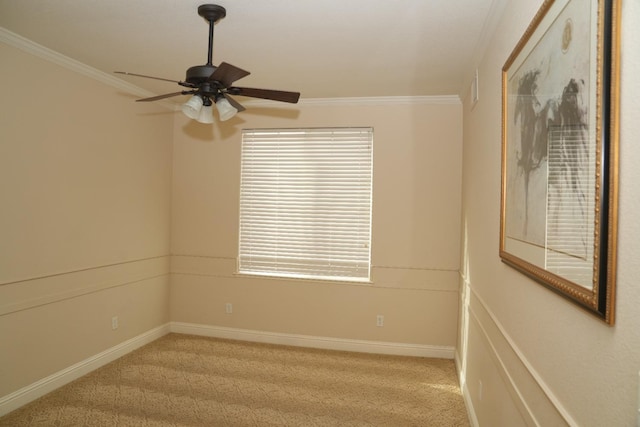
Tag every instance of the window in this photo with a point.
(305, 203)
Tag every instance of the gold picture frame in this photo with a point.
(560, 121)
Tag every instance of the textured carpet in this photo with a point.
(183, 380)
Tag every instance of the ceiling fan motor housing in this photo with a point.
(199, 73)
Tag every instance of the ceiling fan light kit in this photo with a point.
(201, 109)
(213, 85)
(225, 109)
(206, 115)
(192, 107)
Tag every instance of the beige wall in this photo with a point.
(84, 225)
(541, 359)
(85, 229)
(415, 242)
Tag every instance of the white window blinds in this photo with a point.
(305, 203)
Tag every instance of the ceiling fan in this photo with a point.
(213, 85)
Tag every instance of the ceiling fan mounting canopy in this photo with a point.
(214, 83)
(212, 12)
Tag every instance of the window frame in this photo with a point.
(357, 174)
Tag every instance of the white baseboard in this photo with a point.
(33, 391)
(468, 402)
(473, 420)
(326, 343)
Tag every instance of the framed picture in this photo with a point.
(560, 93)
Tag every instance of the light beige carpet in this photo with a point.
(183, 380)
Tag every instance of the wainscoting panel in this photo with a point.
(50, 324)
(418, 306)
(499, 384)
(33, 292)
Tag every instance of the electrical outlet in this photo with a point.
(114, 322)
(380, 320)
(228, 308)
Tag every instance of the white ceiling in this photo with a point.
(321, 48)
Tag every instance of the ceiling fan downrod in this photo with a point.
(200, 74)
(212, 13)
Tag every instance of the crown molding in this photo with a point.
(374, 101)
(12, 39)
(47, 54)
(383, 100)
(367, 101)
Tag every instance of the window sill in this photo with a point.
(346, 281)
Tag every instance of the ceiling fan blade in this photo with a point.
(146, 77)
(227, 74)
(166, 95)
(275, 95)
(234, 103)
